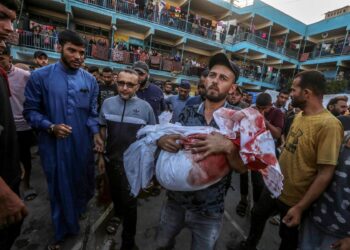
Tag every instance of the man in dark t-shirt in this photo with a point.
(108, 88)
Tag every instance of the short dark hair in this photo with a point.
(93, 69)
(11, 4)
(107, 70)
(168, 82)
(205, 73)
(263, 100)
(284, 92)
(69, 36)
(336, 99)
(314, 80)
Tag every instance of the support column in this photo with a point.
(262, 70)
(346, 38)
(182, 52)
(298, 55)
(150, 42)
(305, 42)
(285, 44)
(269, 37)
(188, 14)
(68, 20)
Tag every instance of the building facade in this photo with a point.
(177, 37)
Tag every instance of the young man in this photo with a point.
(195, 100)
(236, 99)
(338, 105)
(40, 59)
(108, 88)
(168, 89)
(281, 101)
(326, 226)
(202, 211)
(12, 208)
(149, 91)
(307, 163)
(61, 102)
(17, 81)
(120, 118)
(177, 103)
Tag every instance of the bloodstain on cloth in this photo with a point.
(257, 147)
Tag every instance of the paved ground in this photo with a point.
(37, 229)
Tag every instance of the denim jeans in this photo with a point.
(205, 227)
(312, 238)
(262, 210)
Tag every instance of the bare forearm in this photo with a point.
(317, 187)
(275, 131)
(235, 161)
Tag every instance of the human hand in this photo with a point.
(12, 208)
(214, 143)
(98, 142)
(343, 244)
(61, 131)
(169, 143)
(293, 216)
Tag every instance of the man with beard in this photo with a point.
(201, 90)
(177, 103)
(108, 88)
(12, 208)
(307, 163)
(281, 101)
(120, 118)
(149, 91)
(338, 105)
(236, 99)
(168, 89)
(61, 103)
(202, 211)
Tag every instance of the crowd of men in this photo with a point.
(75, 114)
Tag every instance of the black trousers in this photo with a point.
(25, 141)
(262, 210)
(9, 234)
(125, 205)
(257, 181)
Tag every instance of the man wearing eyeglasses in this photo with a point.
(121, 117)
(149, 91)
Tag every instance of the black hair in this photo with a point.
(93, 69)
(263, 100)
(69, 36)
(11, 4)
(107, 70)
(336, 99)
(313, 80)
(205, 73)
(284, 91)
(6, 50)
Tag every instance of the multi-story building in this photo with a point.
(177, 37)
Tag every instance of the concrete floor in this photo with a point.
(37, 229)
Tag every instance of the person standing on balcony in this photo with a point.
(149, 91)
(61, 103)
(17, 81)
(12, 208)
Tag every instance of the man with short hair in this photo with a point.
(40, 59)
(149, 91)
(281, 100)
(307, 162)
(177, 103)
(94, 70)
(108, 88)
(168, 89)
(201, 90)
(121, 117)
(338, 105)
(236, 99)
(12, 208)
(17, 79)
(61, 102)
(202, 211)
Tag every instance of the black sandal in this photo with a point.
(241, 208)
(113, 225)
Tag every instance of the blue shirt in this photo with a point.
(194, 100)
(176, 105)
(211, 199)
